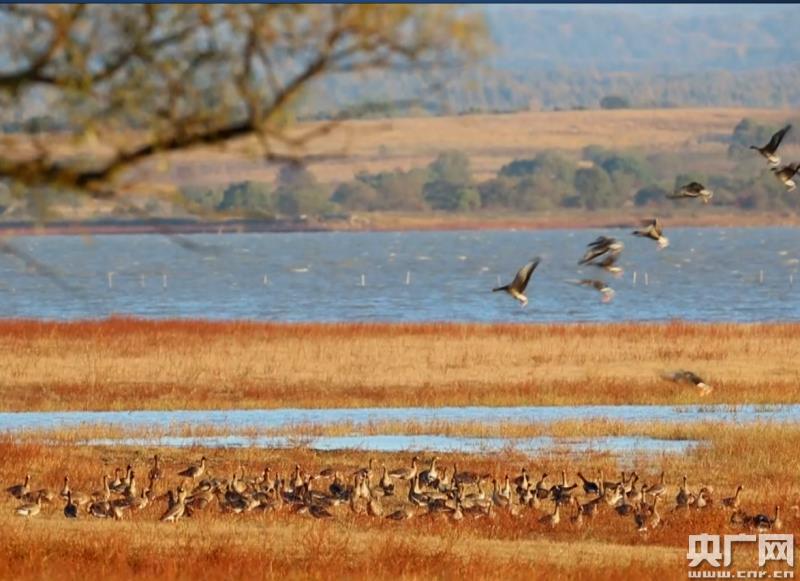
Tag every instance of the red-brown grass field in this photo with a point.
(134, 364)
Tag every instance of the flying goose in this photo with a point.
(768, 151)
(609, 264)
(607, 292)
(517, 287)
(693, 190)
(786, 173)
(682, 376)
(600, 246)
(654, 231)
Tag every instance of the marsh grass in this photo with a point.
(761, 457)
(136, 364)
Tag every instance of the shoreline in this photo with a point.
(385, 222)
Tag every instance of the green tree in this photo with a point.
(398, 190)
(247, 197)
(299, 193)
(206, 198)
(356, 195)
(442, 195)
(650, 195)
(614, 102)
(452, 167)
(594, 188)
(190, 75)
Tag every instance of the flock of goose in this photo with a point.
(605, 251)
(436, 490)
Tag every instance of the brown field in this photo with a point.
(134, 364)
(490, 140)
(272, 544)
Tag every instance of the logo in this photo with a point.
(717, 553)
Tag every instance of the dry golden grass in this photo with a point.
(490, 140)
(214, 544)
(133, 364)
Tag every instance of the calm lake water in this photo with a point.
(545, 445)
(286, 418)
(711, 274)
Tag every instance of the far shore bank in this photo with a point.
(389, 222)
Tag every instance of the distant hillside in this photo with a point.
(564, 57)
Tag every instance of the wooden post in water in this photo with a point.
(164, 280)
(646, 279)
(363, 280)
(791, 279)
(634, 278)
(110, 279)
(408, 277)
(760, 277)
(266, 280)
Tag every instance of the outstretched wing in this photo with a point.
(656, 225)
(593, 253)
(773, 144)
(524, 275)
(694, 187)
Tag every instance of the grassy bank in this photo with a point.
(215, 543)
(134, 364)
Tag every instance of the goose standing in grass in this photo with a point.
(553, 519)
(654, 231)
(176, 511)
(589, 486)
(692, 190)
(769, 150)
(605, 290)
(600, 246)
(71, 509)
(155, 472)
(517, 287)
(406, 473)
(785, 175)
(429, 476)
(30, 509)
(20, 490)
(196, 471)
(733, 501)
(682, 376)
(386, 483)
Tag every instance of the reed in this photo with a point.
(136, 364)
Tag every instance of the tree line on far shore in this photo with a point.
(596, 179)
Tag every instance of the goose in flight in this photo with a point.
(768, 151)
(693, 190)
(517, 287)
(607, 292)
(602, 245)
(654, 231)
(609, 264)
(682, 376)
(786, 173)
